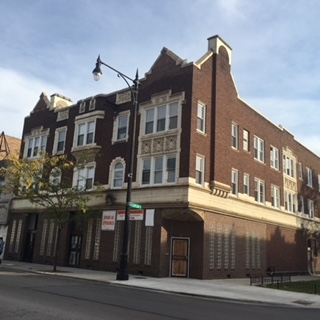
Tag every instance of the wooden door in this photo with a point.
(179, 257)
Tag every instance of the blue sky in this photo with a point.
(51, 46)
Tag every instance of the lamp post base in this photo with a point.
(122, 276)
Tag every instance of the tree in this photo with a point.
(46, 182)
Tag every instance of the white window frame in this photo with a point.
(311, 209)
(246, 140)
(162, 118)
(201, 117)
(234, 182)
(86, 130)
(318, 182)
(157, 170)
(300, 170)
(301, 204)
(289, 166)
(309, 177)
(259, 191)
(246, 184)
(35, 144)
(200, 166)
(290, 201)
(85, 119)
(234, 136)
(118, 175)
(259, 149)
(82, 176)
(274, 157)
(120, 120)
(275, 196)
(60, 137)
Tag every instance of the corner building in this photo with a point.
(224, 191)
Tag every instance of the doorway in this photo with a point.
(179, 257)
(75, 251)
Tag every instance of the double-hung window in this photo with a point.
(275, 196)
(246, 184)
(274, 157)
(259, 191)
(311, 208)
(201, 117)
(159, 170)
(290, 200)
(60, 140)
(259, 149)
(309, 177)
(300, 170)
(162, 118)
(199, 170)
(289, 166)
(118, 174)
(301, 204)
(85, 133)
(234, 182)
(85, 178)
(234, 136)
(35, 145)
(246, 141)
(122, 127)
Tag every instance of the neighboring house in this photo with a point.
(8, 146)
(225, 192)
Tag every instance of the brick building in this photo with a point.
(225, 192)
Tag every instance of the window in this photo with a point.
(246, 143)
(55, 177)
(259, 191)
(201, 117)
(300, 171)
(122, 127)
(85, 133)
(234, 182)
(84, 178)
(311, 208)
(162, 118)
(289, 166)
(275, 196)
(301, 205)
(118, 174)
(290, 201)
(309, 177)
(246, 184)
(274, 157)
(258, 149)
(60, 140)
(35, 145)
(159, 170)
(199, 170)
(319, 182)
(234, 136)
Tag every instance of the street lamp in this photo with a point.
(123, 269)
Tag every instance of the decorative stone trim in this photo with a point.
(220, 189)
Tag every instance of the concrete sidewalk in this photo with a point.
(226, 289)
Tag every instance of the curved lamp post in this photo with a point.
(97, 73)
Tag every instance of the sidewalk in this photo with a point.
(226, 289)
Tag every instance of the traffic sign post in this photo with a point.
(135, 205)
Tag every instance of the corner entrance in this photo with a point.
(179, 257)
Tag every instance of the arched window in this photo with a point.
(118, 175)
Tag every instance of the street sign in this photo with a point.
(135, 205)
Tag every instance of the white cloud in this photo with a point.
(19, 94)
